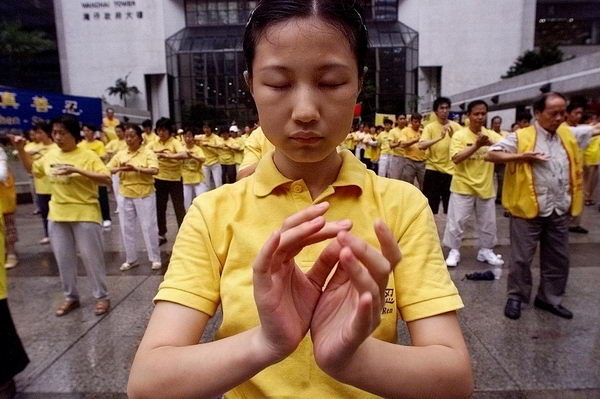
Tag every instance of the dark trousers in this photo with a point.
(436, 187)
(103, 199)
(164, 189)
(43, 201)
(13, 358)
(499, 172)
(552, 232)
(228, 174)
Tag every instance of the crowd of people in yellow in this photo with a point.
(324, 231)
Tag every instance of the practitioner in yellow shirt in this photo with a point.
(496, 126)
(43, 134)
(74, 220)
(149, 136)
(229, 147)
(414, 157)
(191, 170)
(472, 188)
(109, 122)
(136, 167)
(170, 153)
(255, 146)
(90, 142)
(266, 248)
(111, 148)
(439, 168)
(212, 145)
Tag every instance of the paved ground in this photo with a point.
(84, 356)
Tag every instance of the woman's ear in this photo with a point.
(248, 80)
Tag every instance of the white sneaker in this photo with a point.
(453, 258)
(156, 265)
(126, 266)
(44, 241)
(106, 224)
(488, 256)
(11, 261)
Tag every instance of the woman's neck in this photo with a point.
(134, 147)
(316, 175)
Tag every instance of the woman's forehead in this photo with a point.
(302, 38)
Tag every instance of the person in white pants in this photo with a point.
(136, 167)
(472, 189)
(191, 170)
(211, 145)
(111, 148)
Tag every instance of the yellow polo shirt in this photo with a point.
(168, 169)
(256, 146)
(438, 156)
(97, 146)
(474, 175)
(227, 155)
(372, 152)
(384, 143)
(108, 127)
(225, 229)
(135, 184)
(74, 197)
(191, 169)
(394, 137)
(211, 154)
(238, 155)
(413, 152)
(114, 146)
(37, 150)
(149, 138)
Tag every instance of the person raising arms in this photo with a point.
(266, 247)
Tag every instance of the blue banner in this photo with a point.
(21, 109)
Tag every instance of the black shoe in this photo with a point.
(558, 310)
(578, 229)
(512, 310)
(162, 240)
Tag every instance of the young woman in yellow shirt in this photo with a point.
(309, 308)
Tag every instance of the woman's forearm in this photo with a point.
(199, 371)
(392, 371)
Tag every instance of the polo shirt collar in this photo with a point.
(267, 177)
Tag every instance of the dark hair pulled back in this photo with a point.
(344, 15)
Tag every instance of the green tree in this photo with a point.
(19, 46)
(532, 60)
(122, 89)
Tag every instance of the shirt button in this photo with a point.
(297, 188)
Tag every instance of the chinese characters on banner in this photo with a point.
(116, 10)
(21, 109)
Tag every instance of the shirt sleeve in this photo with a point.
(152, 160)
(194, 273)
(101, 148)
(96, 165)
(426, 135)
(457, 144)
(507, 144)
(179, 147)
(421, 279)
(583, 134)
(252, 151)
(37, 168)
